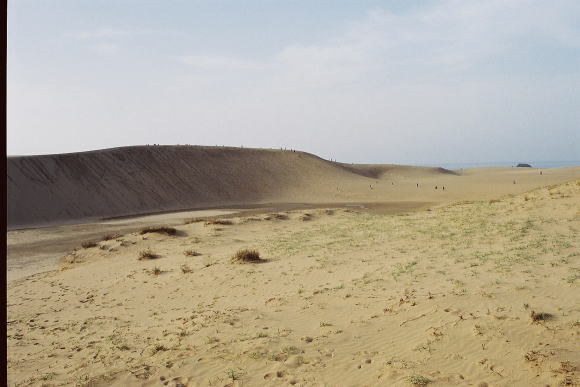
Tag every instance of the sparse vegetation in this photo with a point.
(540, 316)
(147, 254)
(159, 230)
(219, 222)
(212, 340)
(111, 236)
(195, 220)
(396, 275)
(401, 269)
(234, 374)
(89, 244)
(276, 217)
(159, 348)
(247, 256)
(156, 271)
(418, 380)
(251, 219)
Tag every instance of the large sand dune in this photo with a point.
(53, 189)
(89, 186)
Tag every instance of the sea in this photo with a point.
(534, 164)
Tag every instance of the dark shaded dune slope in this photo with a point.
(53, 189)
(379, 171)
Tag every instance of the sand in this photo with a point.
(438, 288)
(54, 190)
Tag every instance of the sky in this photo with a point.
(359, 81)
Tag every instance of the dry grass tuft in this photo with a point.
(306, 217)
(220, 222)
(251, 219)
(276, 216)
(418, 380)
(156, 271)
(111, 236)
(186, 269)
(540, 316)
(89, 244)
(191, 253)
(194, 220)
(147, 254)
(159, 230)
(247, 256)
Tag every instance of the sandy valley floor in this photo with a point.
(345, 298)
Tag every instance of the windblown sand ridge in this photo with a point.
(53, 189)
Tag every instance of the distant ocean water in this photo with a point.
(534, 164)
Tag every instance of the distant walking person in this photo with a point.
(443, 188)
(435, 187)
(417, 185)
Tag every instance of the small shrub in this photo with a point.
(234, 374)
(159, 230)
(219, 222)
(306, 217)
(156, 271)
(111, 236)
(251, 219)
(212, 340)
(195, 220)
(159, 348)
(191, 253)
(186, 269)
(89, 244)
(540, 316)
(418, 380)
(147, 254)
(329, 212)
(247, 256)
(277, 217)
(223, 222)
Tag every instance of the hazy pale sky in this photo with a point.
(355, 80)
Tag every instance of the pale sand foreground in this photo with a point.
(344, 299)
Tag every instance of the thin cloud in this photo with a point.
(216, 63)
(105, 33)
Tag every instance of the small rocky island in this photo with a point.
(523, 165)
